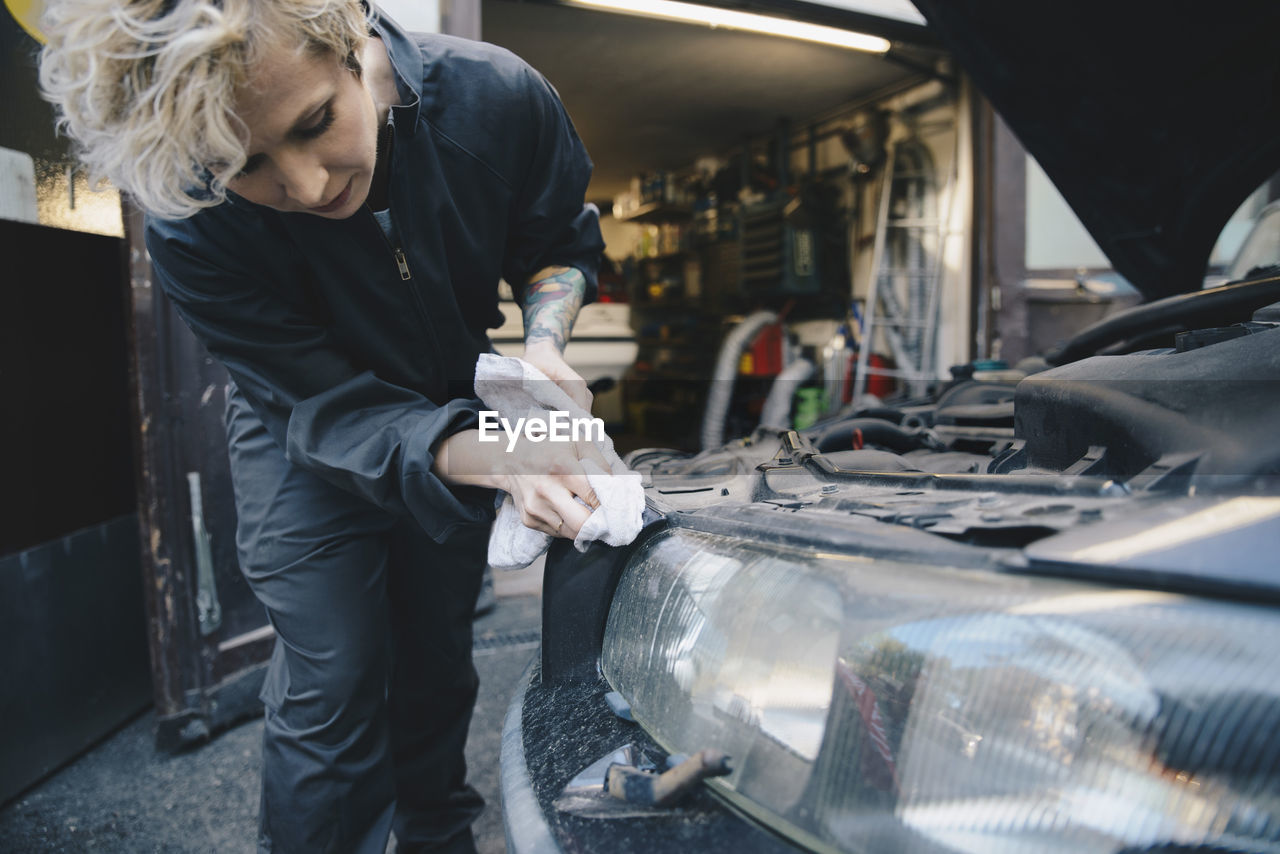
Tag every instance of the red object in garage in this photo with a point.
(880, 385)
(764, 357)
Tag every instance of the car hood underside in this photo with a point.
(1154, 120)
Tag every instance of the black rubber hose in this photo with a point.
(875, 431)
(1219, 306)
(887, 413)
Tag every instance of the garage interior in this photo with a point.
(863, 221)
(740, 172)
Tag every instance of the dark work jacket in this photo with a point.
(357, 370)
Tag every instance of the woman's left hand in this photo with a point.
(544, 356)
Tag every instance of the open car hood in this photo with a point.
(1155, 119)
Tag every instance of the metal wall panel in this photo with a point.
(73, 649)
(209, 636)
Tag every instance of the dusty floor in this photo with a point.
(123, 796)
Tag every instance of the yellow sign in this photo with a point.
(27, 13)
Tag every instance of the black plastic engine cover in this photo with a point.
(1221, 403)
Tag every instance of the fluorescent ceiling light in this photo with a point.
(897, 10)
(693, 13)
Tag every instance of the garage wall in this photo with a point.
(938, 115)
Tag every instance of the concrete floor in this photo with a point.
(123, 796)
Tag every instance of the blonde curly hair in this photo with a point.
(146, 88)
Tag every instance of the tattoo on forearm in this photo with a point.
(551, 303)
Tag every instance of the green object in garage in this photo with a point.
(808, 407)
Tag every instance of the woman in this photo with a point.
(331, 203)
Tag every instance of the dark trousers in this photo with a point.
(370, 689)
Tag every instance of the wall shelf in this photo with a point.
(656, 213)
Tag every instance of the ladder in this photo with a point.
(903, 300)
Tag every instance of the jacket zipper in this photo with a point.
(402, 263)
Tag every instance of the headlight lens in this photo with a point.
(878, 705)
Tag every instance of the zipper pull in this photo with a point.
(403, 264)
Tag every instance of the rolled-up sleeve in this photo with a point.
(334, 418)
(550, 226)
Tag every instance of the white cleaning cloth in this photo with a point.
(516, 389)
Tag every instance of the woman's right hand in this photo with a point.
(545, 479)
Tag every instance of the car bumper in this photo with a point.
(551, 733)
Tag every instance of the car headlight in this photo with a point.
(876, 705)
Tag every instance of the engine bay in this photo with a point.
(1039, 471)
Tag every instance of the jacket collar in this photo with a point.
(406, 58)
